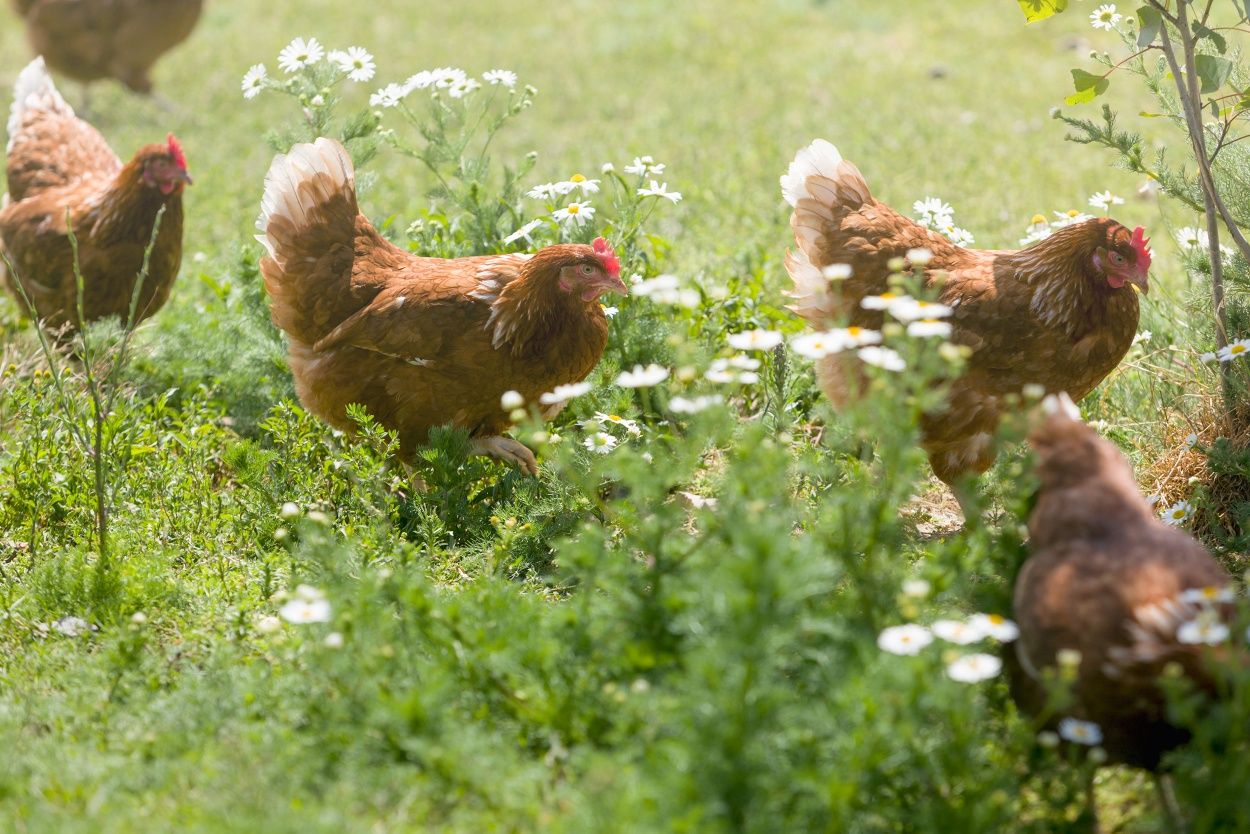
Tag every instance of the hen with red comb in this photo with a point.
(62, 178)
(421, 342)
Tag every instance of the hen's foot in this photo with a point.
(508, 450)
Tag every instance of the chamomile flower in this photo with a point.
(301, 611)
(268, 624)
(817, 345)
(913, 309)
(933, 211)
(919, 256)
(916, 588)
(693, 405)
(564, 393)
(1069, 218)
(1105, 17)
(1206, 628)
(856, 337)
(575, 214)
(577, 182)
(500, 77)
(643, 165)
(973, 668)
(254, 81)
(956, 235)
(610, 312)
(1143, 336)
(656, 189)
(389, 96)
(355, 61)
(525, 232)
(445, 77)
(1209, 595)
(1038, 229)
(1191, 237)
(904, 639)
(995, 626)
(666, 289)
(739, 369)
(929, 327)
(1234, 350)
(836, 272)
(642, 377)
(300, 53)
(545, 191)
(885, 301)
(1208, 357)
(957, 631)
(1080, 732)
(600, 442)
(463, 87)
(72, 626)
(755, 340)
(601, 419)
(421, 81)
(1105, 200)
(882, 357)
(1178, 513)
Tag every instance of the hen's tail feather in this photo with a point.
(812, 299)
(34, 90)
(307, 225)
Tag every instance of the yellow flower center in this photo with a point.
(1209, 592)
(1178, 513)
(577, 178)
(854, 331)
(996, 619)
(614, 418)
(886, 296)
(1073, 212)
(1037, 218)
(574, 208)
(1237, 349)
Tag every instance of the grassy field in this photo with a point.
(582, 652)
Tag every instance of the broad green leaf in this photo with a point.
(1210, 34)
(1149, 23)
(1035, 10)
(1213, 71)
(1088, 87)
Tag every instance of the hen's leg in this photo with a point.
(507, 450)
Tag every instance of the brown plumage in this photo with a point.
(93, 39)
(420, 342)
(62, 174)
(1108, 579)
(1059, 314)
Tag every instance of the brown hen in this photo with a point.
(1060, 314)
(420, 342)
(93, 39)
(1108, 579)
(63, 176)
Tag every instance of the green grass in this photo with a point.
(580, 652)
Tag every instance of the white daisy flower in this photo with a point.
(1209, 595)
(333, 640)
(643, 165)
(72, 626)
(836, 272)
(300, 53)
(995, 626)
(916, 588)
(973, 668)
(1105, 17)
(355, 61)
(445, 77)
(885, 301)
(601, 418)
(577, 182)
(755, 340)
(667, 289)
(1208, 358)
(929, 327)
(904, 639)
(463, 87)
(421, 81)
(545, 191)
(742, 362)
(254, 81)
(511, 400)
(919, 256)
(659, 283)
(1207, 629)
(957, 632)
(1069, 218)
(524, 232)
(817, 345)
(739, 369)
(564, 393)
(600, 442)
(575, 214)
(682, 405)
(389, 96)
(302, 610)
(268, 624)
(1105, 200)
(856, 337)
(610, 312)
(641, 377)
(656, 189)
(933, 211)
(500, 77)
(1190, 237)
(1178, 513)
(882, 357)
(1234, 350)
(956, 235)
(1038, 229)
(1080, 732)
(913, 309)
(1144, 336)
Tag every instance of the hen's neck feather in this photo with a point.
(533, 315)
(126, 208)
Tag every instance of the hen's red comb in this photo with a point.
(175, 150)
(1141, 244)
(611, 263)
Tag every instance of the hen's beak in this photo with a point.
(613, 284)
(186, 177)
(1141, 279)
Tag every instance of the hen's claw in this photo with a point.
(508, 450)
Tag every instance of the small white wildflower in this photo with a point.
(1105, 17)
(755, 340)
(641, 377)
(916, 588)
(445, 77)
(682, 405)
(882, 357)
(973, 668)
(856, 337)
(302, 610)
(355, 61)
(317, 101)
(290, 510)
(919, 256)
(913, 309)
(1144, 336)
(656, 189)
(836, 272)
(929, 327)
(1105, 200)
(500, 77)
(933, 211)
(884, 301)
(511, 400)
(667, 289)
(1038, 229)
(525, 232)
(957, 236)
(643, 165)
(1080, 732)
(138, 618)
(577, 182)
(607, 168)
(600, 419)
(254, 81)
(575, 214)
(1206, 629)
(600, 442)
(995, 626)
(333, 640)
(1234, 350)
(817, 345)
(463, 87)
(1208, 358)
(1178, 513)
(904, 639)
(268, 624)
(610, 312)
(300, 53)
(957, 632)
(564, 393)
(1047, 738)
(1209, 595)
(72, 626)
(389, 96)
(1069, 218)
(421, 81)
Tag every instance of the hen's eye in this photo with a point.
(1117, 259)
(587, 269)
